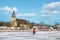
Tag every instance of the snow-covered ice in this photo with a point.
(53, 35)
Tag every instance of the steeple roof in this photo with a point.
(13, 14)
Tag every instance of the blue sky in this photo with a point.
(36, 11)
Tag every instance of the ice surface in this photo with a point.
(54, 35)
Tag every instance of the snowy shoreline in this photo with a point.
(29, 31)
(42, 35)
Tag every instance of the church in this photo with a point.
(21, 23)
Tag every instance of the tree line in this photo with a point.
(8, 24)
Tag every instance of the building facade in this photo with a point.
(21, 23)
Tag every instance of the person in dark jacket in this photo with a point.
(34, 30)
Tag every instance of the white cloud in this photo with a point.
(27, 14)
(51, 8)
(14, 9)
(8, 9)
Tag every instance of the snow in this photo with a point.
(43, 35)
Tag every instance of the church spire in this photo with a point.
(14, 23)
(13, 14)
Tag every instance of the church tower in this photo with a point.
(14, 22)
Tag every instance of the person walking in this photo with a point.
(34, 30)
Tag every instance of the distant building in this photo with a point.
(24, 24)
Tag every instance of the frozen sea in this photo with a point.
(53, 35)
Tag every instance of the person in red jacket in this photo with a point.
(34, 30)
